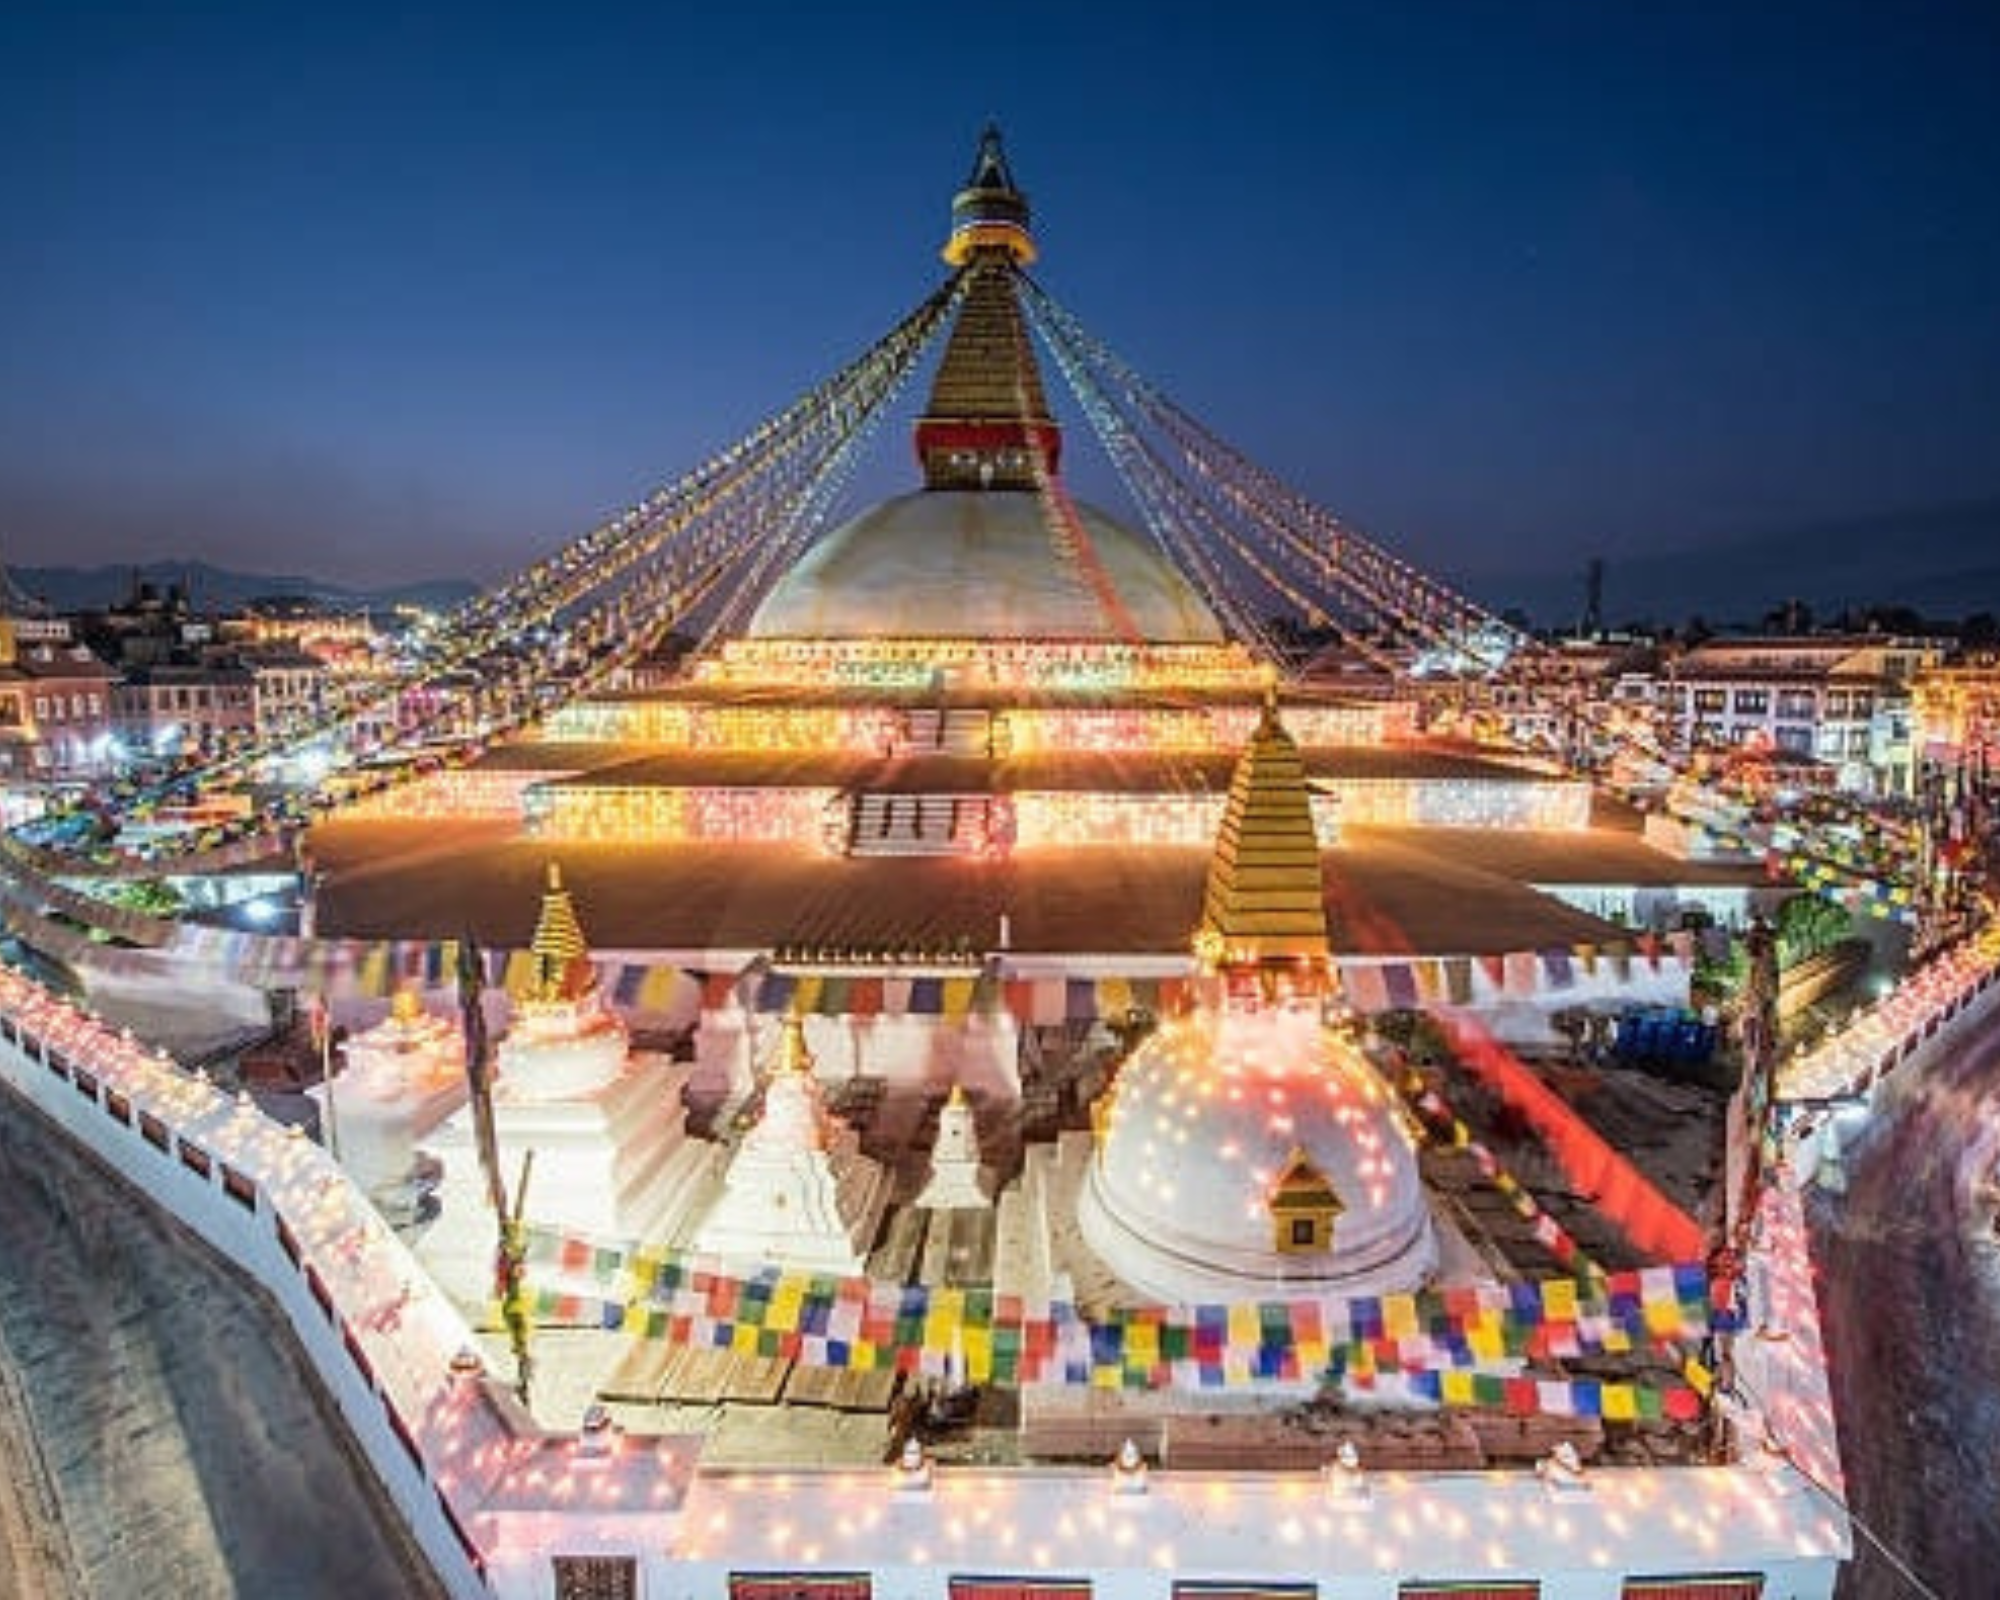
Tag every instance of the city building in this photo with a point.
(288, 685)
(1840, 701)
(171, 708)
(55, 704)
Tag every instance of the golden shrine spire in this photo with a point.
(562, 956)
(1264, 900)
(987, 424)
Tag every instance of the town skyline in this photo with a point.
(421, 301)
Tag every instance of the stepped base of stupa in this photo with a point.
(616, 1165)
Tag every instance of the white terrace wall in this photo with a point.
(141, 1132)
(463, 1466)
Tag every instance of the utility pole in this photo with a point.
(511, 1248)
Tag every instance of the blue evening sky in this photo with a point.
(380, 293)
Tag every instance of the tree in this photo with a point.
(1809, 924)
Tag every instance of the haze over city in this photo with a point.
(379, 297)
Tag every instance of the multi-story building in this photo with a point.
(170, 708)
(150, 625)
(55, 712)
(1839, 700)
(287, 685)
(346, 642)
(1957, 709)
(1565, 700)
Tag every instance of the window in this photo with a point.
(1752, 702)
(1710, 700)
(1304, 1232)
(596, 1577)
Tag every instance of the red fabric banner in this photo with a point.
(1653, 1223)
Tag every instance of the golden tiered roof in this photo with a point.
(1264, 900)
(562, 955)
(1301, 1186)
(988, 371)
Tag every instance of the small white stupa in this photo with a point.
(798, 1193)
(1247, 1149)
(957, 1181)
(404, 1076)
(612, 1160)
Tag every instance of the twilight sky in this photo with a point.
(380, 296)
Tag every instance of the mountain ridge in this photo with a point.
(1941, 561)
(212, 587)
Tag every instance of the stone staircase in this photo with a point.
(948, 731)
(882, 824)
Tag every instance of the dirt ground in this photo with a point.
(163, 1437)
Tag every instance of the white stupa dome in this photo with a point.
(1207, 1117)
(968, 564)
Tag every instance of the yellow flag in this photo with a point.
(1559, 1299)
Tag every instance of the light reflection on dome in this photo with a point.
(1202, 1120)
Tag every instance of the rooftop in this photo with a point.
(1389, 891)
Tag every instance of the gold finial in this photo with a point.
(562, 966)
(990, 212)
(1209, 946)
(793, 1055)
(404, 1008)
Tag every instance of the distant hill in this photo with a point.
(1942, 562)
(219, 588)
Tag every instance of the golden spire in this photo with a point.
(562, 957)
(987, 424)
(1264, 900)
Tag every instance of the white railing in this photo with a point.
(458, 1460)
(1877, 1041)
